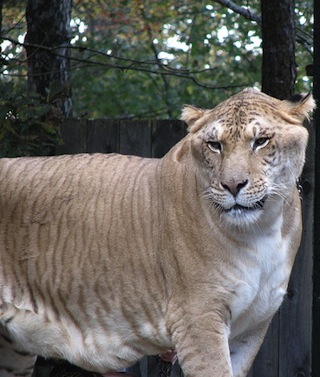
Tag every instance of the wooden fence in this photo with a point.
(286, 351)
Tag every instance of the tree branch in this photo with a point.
(133, 65)
(301, 36)
(166, 86)
(245, 12)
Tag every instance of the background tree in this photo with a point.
(142, 59)
(162, 55)
(47, 45)
(26, 124)
(278, 34)
(1, 5)
(213, 45)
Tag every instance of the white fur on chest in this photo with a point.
(262, 281)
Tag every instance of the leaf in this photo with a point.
(55, 90)
(48, 128)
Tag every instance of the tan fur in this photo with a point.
(106, 258)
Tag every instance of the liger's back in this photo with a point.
(99, 213)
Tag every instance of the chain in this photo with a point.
(299, 187)
(164, 368)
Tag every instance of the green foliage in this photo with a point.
(24, 125)
(181, 42)
(204, 51)
(304, 22)
(145, 59)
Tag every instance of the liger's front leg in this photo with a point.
(202, 346)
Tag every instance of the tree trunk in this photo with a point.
(1, 4)
(48, 40)
(1, 40)
(278, 36)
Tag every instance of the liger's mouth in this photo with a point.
(256, 206)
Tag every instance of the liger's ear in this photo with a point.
(299, 106)
(191, 115)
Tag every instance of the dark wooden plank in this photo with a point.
(176, 371)
(250, 374)
(135, 370)
(73, 133)
(296, 312)
(135, 138)
(143, 365)
(316, 234)
(267, 360)
(103, 136)
(153, 367)
(165, 134)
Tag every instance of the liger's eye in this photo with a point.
(260, 143)
(215, 146)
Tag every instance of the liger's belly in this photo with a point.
(105, 344)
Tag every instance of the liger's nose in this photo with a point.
(234, 186)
